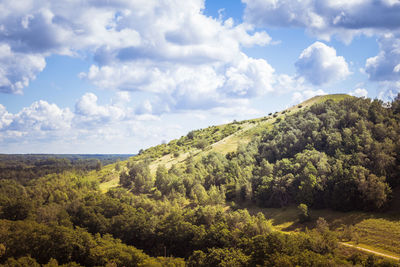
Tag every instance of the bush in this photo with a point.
(201, 144)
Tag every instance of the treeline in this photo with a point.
(30, 166)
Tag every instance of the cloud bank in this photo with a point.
(342, 20)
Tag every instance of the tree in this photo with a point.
(304, 216)
(99, 165)
(138, 178)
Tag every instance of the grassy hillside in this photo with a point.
(223, 139)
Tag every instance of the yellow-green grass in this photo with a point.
(105, 186)
(374, 248)
(231, 143)
(380, 233)
(323, 98)
(108, 176)
(169, 159)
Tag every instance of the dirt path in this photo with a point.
(371, 251)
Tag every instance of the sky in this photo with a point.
(102, 76)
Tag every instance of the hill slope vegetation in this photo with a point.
(180, 203)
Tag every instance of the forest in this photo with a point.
(23, 167)
(199, 209)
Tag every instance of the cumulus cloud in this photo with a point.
(343, 20)
(167, 33)
(17, 69)
(359, 92)
(250, 77)
(202, 86)
(384, 68)
(319, 64)
(89, 114)
(388, 90)
(301, 96)
(41, 120)
(5, 117)
(386, 65)
(41, 116)
(114, 126)
(325, 18)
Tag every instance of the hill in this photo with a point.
(222, 139)
(325, 146)
(238, 194)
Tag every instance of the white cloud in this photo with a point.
(113, 127)
(388, 90)
(359, 92)
(17, 69)
(40, 120)
(343, 20)
(319, 64)
(5, 117)
(86, 128)
(250, 77)
(202, 86)
(168, 33)
(385, 66)
(301, 96)
(89, 114)
(42, 116)
(325, 18)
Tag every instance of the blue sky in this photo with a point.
(118, 76)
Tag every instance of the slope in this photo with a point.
(223, 139)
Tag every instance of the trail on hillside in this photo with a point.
(371, 251)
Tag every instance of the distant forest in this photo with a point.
(24, 167)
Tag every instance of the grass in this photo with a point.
(380, 233)
(374, 248)
(108, 176)
(376, 231)
(104, 187)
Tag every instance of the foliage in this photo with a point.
(304, 216)
(342, 155)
